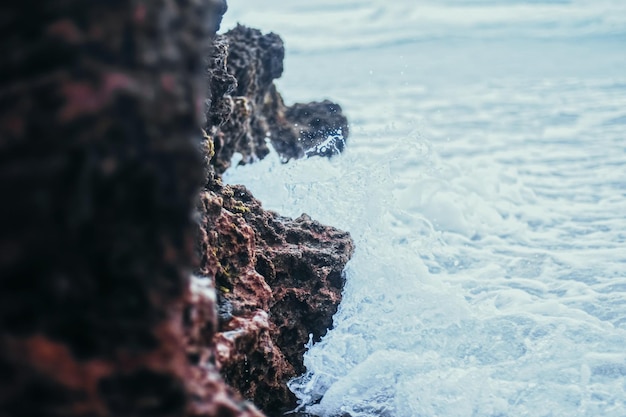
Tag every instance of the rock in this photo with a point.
(208, 393)
(322, 128)
(279, 280)
(248, 113)
(99, 171)
(103, 166)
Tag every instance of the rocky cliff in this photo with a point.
(132, 282)
(246, 113)
(278, 280)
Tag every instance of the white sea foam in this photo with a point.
(486, 199)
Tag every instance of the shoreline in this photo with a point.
(133, 281)
(289, 286)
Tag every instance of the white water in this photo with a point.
(484, 183)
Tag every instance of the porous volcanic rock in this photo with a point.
(278, 280)
(101, 164)
(99, 172)
(245, 111)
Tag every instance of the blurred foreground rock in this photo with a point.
(108, 301)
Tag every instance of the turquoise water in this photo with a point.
(484, 183)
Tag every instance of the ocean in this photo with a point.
(484, 184)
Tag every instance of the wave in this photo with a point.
(483, 184)
(377, 22)
(488, 274)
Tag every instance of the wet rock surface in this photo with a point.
(115, 298)
(248, 113)
(278, 281)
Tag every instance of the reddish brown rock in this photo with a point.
(245, 112)
(278, 281)
(209, 394)
(101, 162)
(99, 171)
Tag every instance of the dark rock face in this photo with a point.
(248, 112)
(278, 280)
(101, 164)
(99, 169)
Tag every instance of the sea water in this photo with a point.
(484, 184)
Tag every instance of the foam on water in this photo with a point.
(469, 293)
(487, 208)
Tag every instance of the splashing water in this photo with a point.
(484, 184)
(465, 295)
(332, 145)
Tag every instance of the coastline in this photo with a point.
(133, 281)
